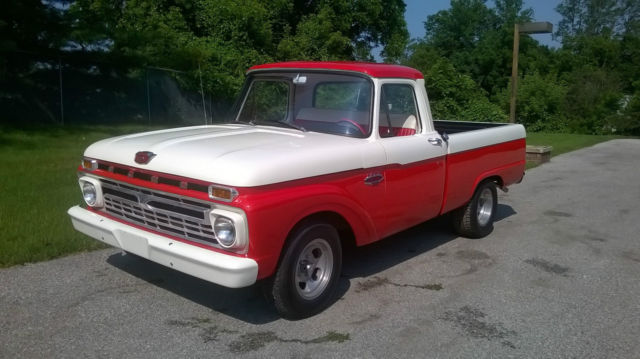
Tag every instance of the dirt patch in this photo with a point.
(253, 341)
(631, 255)
(247, 342)
(472, 321)
(547, 266)
(206, 331)
(595, 239)
(557, 214)
(472, 254)
(372, 283)
(475, 259)
(125, 289)
(378, 282)
(368, 319)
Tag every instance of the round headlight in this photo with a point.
(225, 231)
(89, 193)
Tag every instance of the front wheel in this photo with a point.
(475, 219)
(308, 274)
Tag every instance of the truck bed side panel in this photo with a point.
(476, 155)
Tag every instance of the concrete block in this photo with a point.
(538, 154)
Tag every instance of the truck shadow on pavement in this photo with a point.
(249, 304)
(245, 304)
(379, 256)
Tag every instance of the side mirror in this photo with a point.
(300, 80)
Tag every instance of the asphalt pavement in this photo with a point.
(558, 278)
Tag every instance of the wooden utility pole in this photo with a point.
(526, 28)
(514, 74)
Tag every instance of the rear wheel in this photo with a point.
(307, 278)
(475, 219)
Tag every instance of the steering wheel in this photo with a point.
(351, 128)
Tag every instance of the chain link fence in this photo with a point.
(36, 89)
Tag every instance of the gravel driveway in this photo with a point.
(559, 277)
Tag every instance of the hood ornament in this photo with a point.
(144, 157)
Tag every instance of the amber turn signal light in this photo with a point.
(89, 164)
(221, 193)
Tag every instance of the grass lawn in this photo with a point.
(38, 183)
(564, 142)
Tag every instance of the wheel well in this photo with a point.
(347, 237)
(497, 179)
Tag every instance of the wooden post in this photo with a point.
(514, 74)
(61, 96)
(146, 75)
(204, 105)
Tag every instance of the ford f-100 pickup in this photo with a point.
(317, 156)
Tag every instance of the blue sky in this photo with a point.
(418, 10)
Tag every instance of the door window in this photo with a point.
(398, 111)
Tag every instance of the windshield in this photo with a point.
(329, 103)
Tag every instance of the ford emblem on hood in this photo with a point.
(143, 157)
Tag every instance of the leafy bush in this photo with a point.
(593, 96)
(539, 103)
(481, 109)
(627, 120)
(453, 95)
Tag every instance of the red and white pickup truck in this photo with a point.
(319, 155)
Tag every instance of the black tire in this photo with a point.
(475, 219)
(301, 288)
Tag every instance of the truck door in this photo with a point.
(415, 170)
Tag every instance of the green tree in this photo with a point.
(540, 102)
(599, 61)
(452, 94)
(220, 39)
(593, 17)
(31, 26)
(460, 27)
(593, 96)
(344, 30)
(317, 38)
(511, 11)
(31, 32)
(626, 120)
(629, 62)
(476, 40)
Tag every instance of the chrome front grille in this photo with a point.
(159, 211)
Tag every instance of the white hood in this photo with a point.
(239, 155)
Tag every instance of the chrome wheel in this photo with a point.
(475, 219)
(307, 277)
(313, 269)
(485, 206)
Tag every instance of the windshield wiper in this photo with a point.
(250, 123)
(292, 125)
(281, 123)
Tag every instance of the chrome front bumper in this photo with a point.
(226, 270)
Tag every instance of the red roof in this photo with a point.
(369, 68)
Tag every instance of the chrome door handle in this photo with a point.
(435, 141)
(373, 179)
